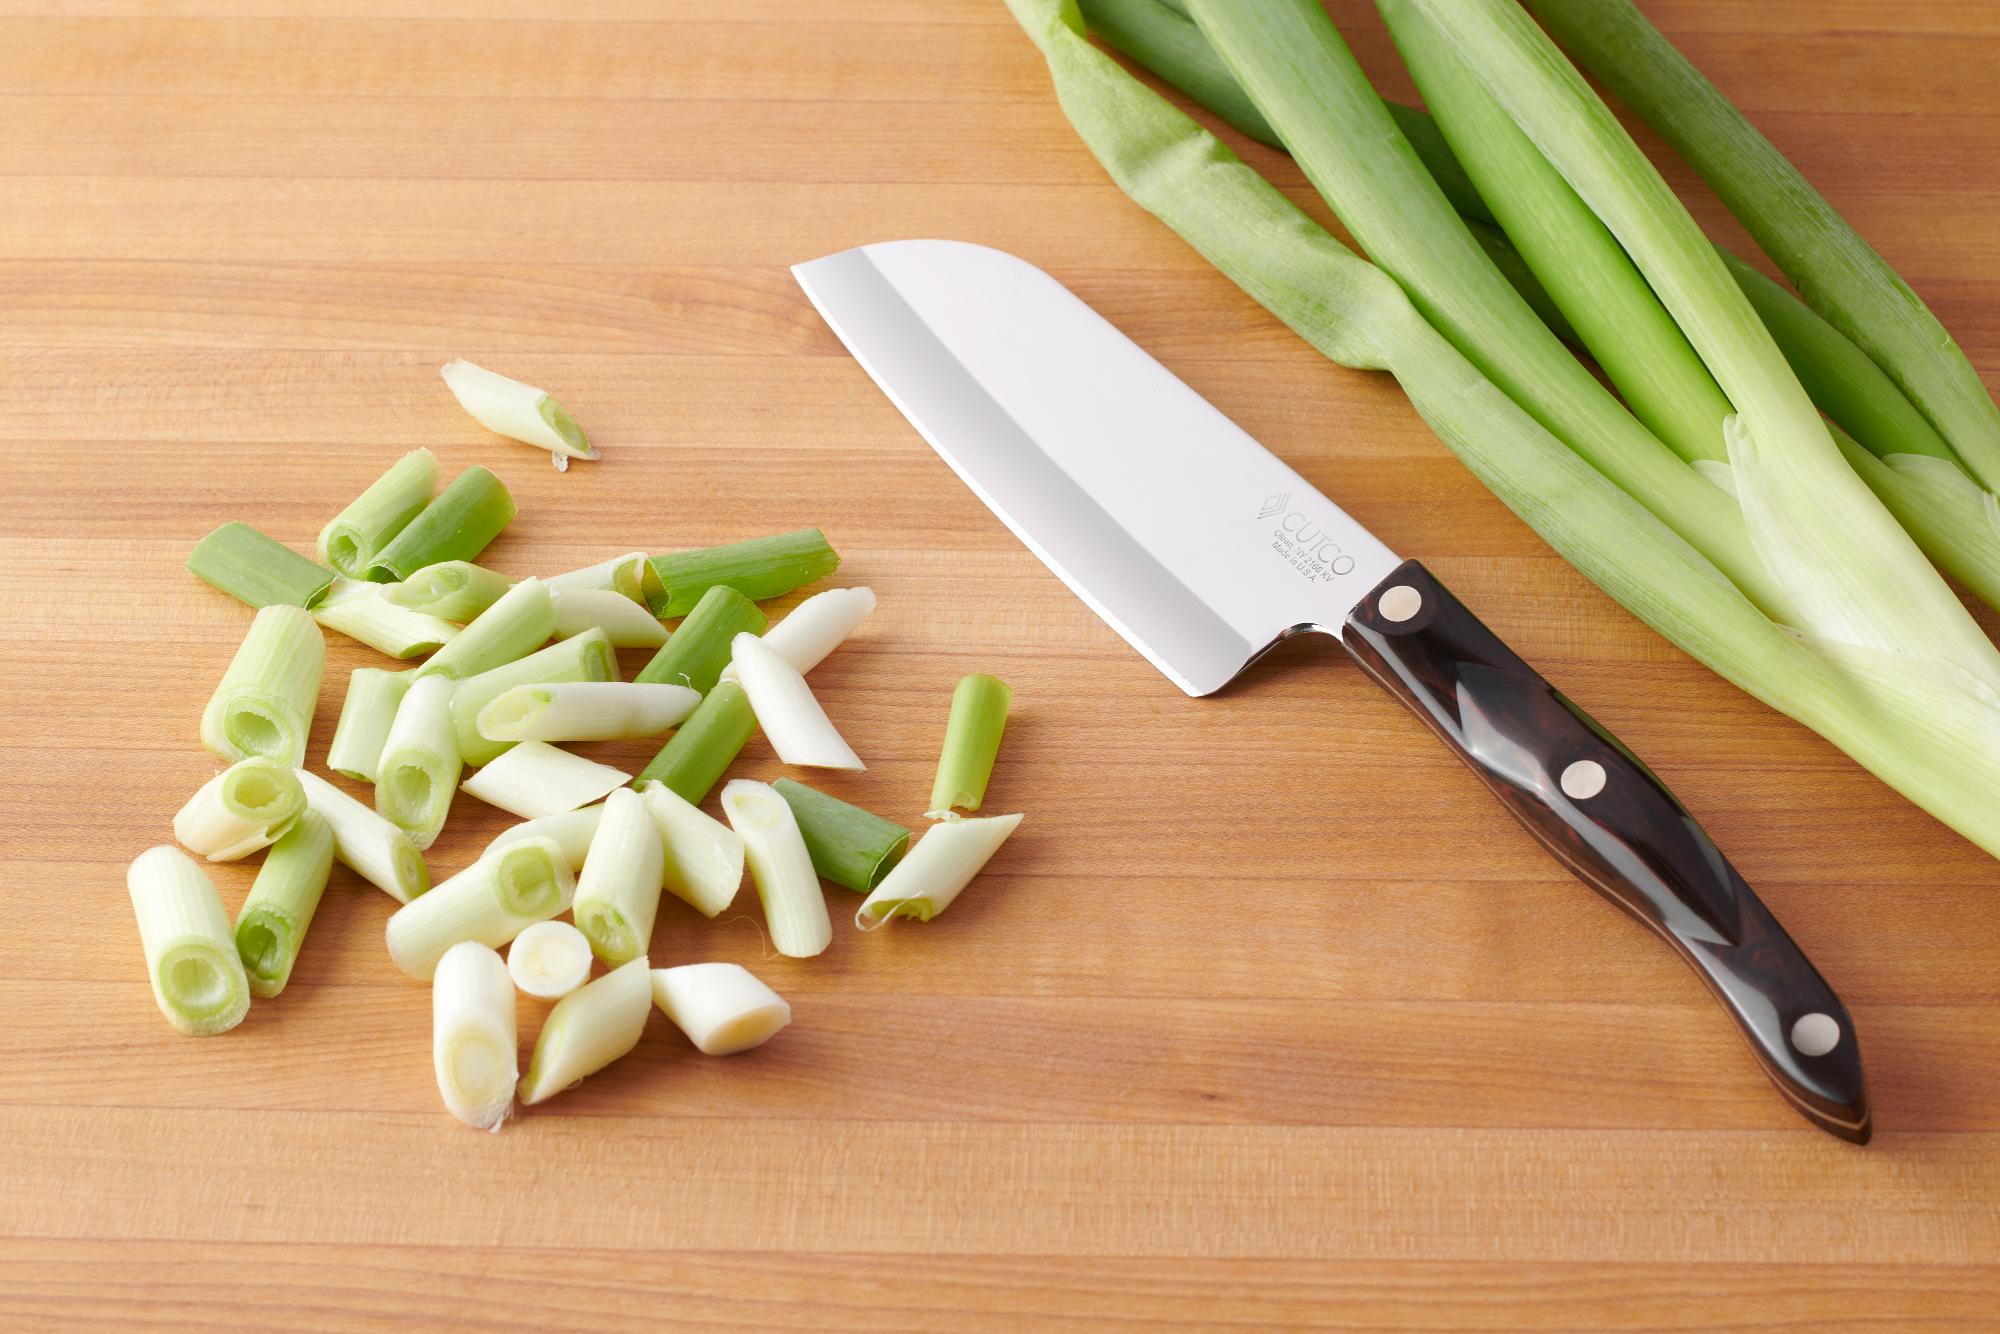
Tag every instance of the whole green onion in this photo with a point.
(458, 525)
(849, 846)
(763, 567)
(695, 654)
(258, 570)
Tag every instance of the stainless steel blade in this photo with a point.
(1192, 540)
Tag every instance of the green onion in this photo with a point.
(256, 569)
(420, 765)
(264, 702)
(706, 745)
(618, 894)
(585, 711)
(354, 537)
(1931, 737)
(373, 696)
(491, 901)
(696, 653)
(197, 979)
(473, 1040)
(519, 623)
(816, 627)
(453, 590)
(572, 832)
(247, 806)
(763, 567)
(458, 525)
(787, 712)
(283, 899)
(588, 1030)
(631, 575)
(363, 612)
(630, 624)
(721, 1007)
(1839, 275)
(849, 846)
(588, 657)
(549, 960)
(780, 867)
(535, 779)
(517, 411)
(703, 857)
(1293, 63)
(366, 843)
(938, 869)
(979, 705)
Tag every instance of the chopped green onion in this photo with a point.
(942, 864)
(353, 538)
(1836, 271)
(517, 411)
(535, 779)
(631, 574)
(264, 702)
(473, 1039)
(272, 925)
(363, 612)
(585, 711)
(491, 901)
(256, 569)
(618, 894)
(373, 696)
(549, 960)
(247, 806)
(701, 857)
(453, 590)
(366, 843)
(588, 657)
(705, 746)
(458, 525)
(197, 979)
(780, 867)
(629, 623)
(763, 567)
(698, 652)
(979, 706)
(420, 764)
(588, 1030)
(816, 627)
(721, 1007)
(509, 630)
(791, 718)
(849, 846)
(572, 832)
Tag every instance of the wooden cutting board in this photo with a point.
(1268, 1015)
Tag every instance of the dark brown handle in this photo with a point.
(1606, 817)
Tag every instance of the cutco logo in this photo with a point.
(1305, 545)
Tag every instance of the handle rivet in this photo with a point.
(1583, 779)
(1816, 1034)
(1400, 603)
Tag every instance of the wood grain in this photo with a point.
(1268, 1017)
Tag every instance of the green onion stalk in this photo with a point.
(1643, 353)
(1930, 732)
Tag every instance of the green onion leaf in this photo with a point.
(695, 654)
(705, 746)
(522, 621)
(763, 567)
(979, 705)
(353, 538)
(258, 570)
(286, 894)
(849, 846)
(458, 525)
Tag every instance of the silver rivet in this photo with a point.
(1400, 603)
(1816, 1034)
(1583, 779)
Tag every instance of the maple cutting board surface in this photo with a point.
(1268, 1014)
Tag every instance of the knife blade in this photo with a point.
(1204, 550)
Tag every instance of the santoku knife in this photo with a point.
(1203, 550)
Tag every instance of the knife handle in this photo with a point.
(1605, 816)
